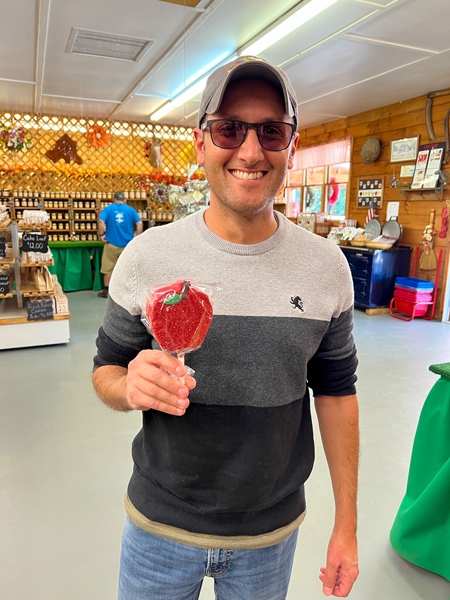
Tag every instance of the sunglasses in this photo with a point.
(273, 135)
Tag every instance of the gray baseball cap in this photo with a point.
(119, 196)
(242, 68)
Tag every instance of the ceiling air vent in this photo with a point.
(107, 45)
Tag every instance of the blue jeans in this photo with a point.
(154, 568)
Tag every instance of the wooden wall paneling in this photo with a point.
(392, 122)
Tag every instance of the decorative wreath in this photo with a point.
(15, 138)
(98, 136)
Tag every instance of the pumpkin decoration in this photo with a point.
(98, 136)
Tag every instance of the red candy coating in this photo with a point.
(182, 326)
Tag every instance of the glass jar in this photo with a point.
(59, 216)
(60, 225)
(83, 216)
(83, 237)
(83, 225)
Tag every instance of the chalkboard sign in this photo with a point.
(4, 283)
(35, 242)
(38, 310)
(2, 247)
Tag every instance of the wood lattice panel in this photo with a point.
(122, 165)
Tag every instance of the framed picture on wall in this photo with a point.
(370, 189)
(405, 149)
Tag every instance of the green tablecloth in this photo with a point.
(421, 530)
(77, 265)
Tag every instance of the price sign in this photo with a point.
(34, 242)
(2, 247)
(4, 283)
(40, 310)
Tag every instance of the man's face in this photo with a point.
(226, 170)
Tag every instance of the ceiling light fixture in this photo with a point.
(293, 22)
(296, 20)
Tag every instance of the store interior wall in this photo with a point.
(396, 121)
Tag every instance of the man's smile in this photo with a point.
(248, 175)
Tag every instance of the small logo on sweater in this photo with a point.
(297, 303)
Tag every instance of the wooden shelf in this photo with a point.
(423, 194)
(30, 227)
(29, 290)
(16, 320)
(5, 224)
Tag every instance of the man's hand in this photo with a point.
(342, 570)
(149, 386)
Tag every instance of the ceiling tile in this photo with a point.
(408, 82)
(414, 23)
(347, 61)
(17, 40)
(16, 96)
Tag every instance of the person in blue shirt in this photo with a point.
(119, 220)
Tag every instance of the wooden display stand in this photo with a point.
(16, 328)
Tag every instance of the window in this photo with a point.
(319, 181)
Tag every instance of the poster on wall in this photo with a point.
(370, 189)
(428, 164)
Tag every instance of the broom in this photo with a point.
(428, 260)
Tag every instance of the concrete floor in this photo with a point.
(65, 463)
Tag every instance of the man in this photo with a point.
(119, 221)
(219, 465)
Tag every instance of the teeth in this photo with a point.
(246, 175)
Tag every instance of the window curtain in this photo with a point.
(326, 154)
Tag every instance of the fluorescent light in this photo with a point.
(185, 96)
(179, 100)
(162, 112)
(191, 92)
(299, 18)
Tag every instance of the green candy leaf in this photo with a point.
(173, 299)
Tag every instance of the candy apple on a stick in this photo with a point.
(179, 314)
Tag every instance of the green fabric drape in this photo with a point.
(421, 530)
(75, 268)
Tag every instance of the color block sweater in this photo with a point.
(235, 464)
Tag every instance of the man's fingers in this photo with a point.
(340, 584)
(330, 577)
(150, 386)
